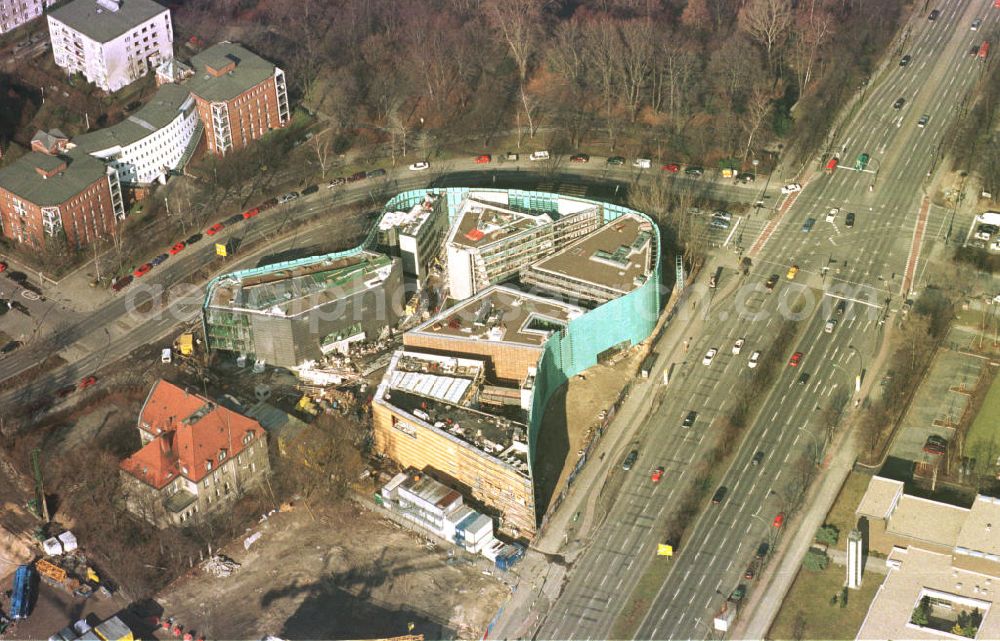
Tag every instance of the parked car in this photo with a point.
(193, 238)
(630, 460)
(121, 282)
(356, 176)
(849, 219)
(792, 272)
(86, 382)
(580, 158)
(267, 204)
(512, 157)
(65, 391)
(808, 225)
(235, 218)
(745, 178)
(159, 260)
(791, 188)
(762, 550)
(483, 159)
(250, 213)
(672, 168)
(287, 198)
(10, 346)
(832, 214)
(779, 520)
(142, 270)
(749, 573)
(375, 173)
(214, 229)
(616, 161)
(177, 248)
(336, 182)
(538, 155)
(642, 163)
(3, 266)
(694, 171)
(771, 281)
(311, 189)
(420, 166)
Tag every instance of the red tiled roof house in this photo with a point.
(197, 457)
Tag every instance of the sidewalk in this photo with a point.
(542, 573)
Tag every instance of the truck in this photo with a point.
(20, 597)
(647, 365)
(984, 50)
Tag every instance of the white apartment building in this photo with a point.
(14, 13)
(111, 42)
(157, 139)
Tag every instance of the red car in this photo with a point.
(779, 520)
(796, 359)
(657, 475)
(142, 270)
(672, 168)
(214, 229)
(483, 159)
(86, 382)
(3, 266)
(250, 213)
(176, 249)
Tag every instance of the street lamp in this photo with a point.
(815, 443)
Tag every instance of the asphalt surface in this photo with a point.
(863, 265)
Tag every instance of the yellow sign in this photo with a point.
(220, 249)
(662, 549)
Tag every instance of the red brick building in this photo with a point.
(52, 195)
(240, 96)
(197, 457)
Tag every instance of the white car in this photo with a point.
(738, 346)
(832, 214)
(709, 356)
(754, 359)
(539, 155)
(642, 163)
(830, 326)
(287, 198)
(791, 188)
(420, 166)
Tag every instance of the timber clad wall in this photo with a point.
(488, 480)
(507, 361)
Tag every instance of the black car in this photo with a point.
(849, 221)
(745, 178)
(616, 161)
(19, 306)
(772, 281)
(159, 260)
(193, 238)
(841, 306)
(630, 460)
(720, 494)
(757, 458)
(311, 189)
(355, 177)
(375, 173)
(762, 550)
(934, 15)
(899, 103)
(235, 218)
(121, 282)
(689, 419)
(803, 378)
(905, 60)
(10, 347)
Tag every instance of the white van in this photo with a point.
(165, 355)
(642, 163)
(539, 155)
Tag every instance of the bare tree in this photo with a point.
(768, 22)
(519, 22)
(758, 109)
(321, 145)
(809, 33)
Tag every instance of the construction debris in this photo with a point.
(220, 565)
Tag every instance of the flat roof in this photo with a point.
(977, 533)
(616, 256)
(283, 291)
(925, 520)
(480, 222)
(410, 222)
(914, 573)
(444, 378)
(23, 180)
(98, 21)
(880, 497)
(497, 436)
(159, 112)
(250, 71)
(501, 313)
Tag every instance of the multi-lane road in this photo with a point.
(872, 265)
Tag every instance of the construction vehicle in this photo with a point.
(185, 344)
(80, 579)
(20, 597)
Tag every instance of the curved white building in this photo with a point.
(152, 142)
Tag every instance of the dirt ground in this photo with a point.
(336, 573)
(572, 415)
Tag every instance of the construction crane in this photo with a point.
(43, 508)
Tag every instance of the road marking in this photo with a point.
(915, 245)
